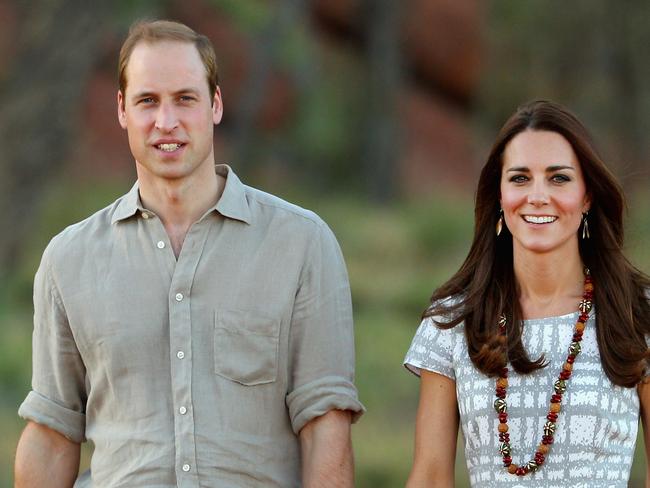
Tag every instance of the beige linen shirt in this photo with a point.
(196, 371)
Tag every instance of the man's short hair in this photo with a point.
(166, 30)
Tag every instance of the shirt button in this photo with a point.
(161, 245)
(186, 467)
(179, 297)
(182, 410)
(180, 354)
(145, 215)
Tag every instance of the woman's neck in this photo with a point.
(548, 285)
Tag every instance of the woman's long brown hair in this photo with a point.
(485, 286)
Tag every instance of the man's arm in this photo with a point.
(45, 458)
(326, 450)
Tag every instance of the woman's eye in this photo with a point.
(560, 178)
(518, 179)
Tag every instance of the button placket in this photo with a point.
(180, 341)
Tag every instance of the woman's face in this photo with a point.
(543, 193)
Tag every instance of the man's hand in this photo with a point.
(326, 450)
(45, 458)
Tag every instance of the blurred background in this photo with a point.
(376, 114)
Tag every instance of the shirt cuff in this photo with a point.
(44, 411)
(319, 397)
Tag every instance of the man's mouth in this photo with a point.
(539, 219)
(169, 147)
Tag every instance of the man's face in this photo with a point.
(167, 110)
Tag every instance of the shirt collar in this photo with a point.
(128, 205)
(232, 203)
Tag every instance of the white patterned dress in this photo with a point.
(596, 429)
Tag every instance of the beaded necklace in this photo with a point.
(560, 386)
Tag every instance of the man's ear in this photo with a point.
(217, 107)
(121, 112)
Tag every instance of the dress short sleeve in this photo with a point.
(432, 349)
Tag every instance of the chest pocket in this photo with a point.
(246, 347)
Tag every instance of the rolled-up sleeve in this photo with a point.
(58, 395)
(322, 337)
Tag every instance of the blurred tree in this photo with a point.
(40, 98)
(379, 148)
(265, 54)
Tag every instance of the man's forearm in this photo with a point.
(326, 448)
(45, 458)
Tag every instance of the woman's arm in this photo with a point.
(644, 399)
(436, 432)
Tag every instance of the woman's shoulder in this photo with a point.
(435, 347)
(445, 310)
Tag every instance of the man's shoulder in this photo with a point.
(81, 234)
(268, 206)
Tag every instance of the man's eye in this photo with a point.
(146, 101)
(187, 98)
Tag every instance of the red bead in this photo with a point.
(556, 398)
(504, 373)
(565, 375)
(547, 439)
(520, 471)
(507, 461)
(503, 417)
(583, 317)
(577, 336)
(552, 416)
(570, 359)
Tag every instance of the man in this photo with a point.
(197, 331)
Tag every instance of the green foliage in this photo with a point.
(15, 358)
(250, 16)
(124, 12)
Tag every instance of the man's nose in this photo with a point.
(166, 118)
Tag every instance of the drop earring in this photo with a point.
(500, 222)
(585, 225)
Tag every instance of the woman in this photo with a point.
(537, 345)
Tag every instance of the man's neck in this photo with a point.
(181, 202)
